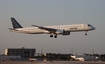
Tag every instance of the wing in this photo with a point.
(45, 28)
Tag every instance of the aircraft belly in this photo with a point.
(36, 32)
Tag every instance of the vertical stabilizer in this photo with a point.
(15, 23)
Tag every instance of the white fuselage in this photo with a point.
(71, 28)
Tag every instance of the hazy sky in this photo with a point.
(54, 12)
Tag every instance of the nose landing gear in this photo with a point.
(86, 33)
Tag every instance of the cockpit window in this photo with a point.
(89, 25)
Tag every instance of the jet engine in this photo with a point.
(63, 32)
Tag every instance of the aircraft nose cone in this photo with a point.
(94, 28)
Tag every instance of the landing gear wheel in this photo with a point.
(86, 34)
(55, 36)
(51, 36)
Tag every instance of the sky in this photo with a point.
(53, 12)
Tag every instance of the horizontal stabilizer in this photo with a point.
(10, 28)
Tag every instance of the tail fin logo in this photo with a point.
(15, 23)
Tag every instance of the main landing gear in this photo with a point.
(55, 36)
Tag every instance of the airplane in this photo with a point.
(52, 30)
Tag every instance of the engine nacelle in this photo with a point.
(63, 32)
